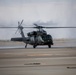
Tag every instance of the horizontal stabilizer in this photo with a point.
(16, 39)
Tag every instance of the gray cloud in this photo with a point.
(46, 23)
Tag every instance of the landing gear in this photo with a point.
(26, 46)
(34, 46)
(49, 46)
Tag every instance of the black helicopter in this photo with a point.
(35, 38)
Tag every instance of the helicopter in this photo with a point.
(35, 38)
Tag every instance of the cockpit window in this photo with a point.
(46, 37)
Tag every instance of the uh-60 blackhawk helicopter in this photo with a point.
(35, 38)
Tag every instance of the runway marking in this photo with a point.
(41, 65)
(71, 67)
(36, 63)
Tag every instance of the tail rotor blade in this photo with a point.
(18, 23)
(21, 22)
(18, 27)
(16, 31)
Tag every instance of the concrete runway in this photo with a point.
(39, 61)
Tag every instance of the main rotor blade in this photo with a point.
(15, 27)
(38, 27)
(59, 27)
(8, 27)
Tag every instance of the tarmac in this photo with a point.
(58, 60)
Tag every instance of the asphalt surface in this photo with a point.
(40, 61)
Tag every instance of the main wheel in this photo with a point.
(34, 46)
(49, 46)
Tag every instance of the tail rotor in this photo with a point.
(19, 26)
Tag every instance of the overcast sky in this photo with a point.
(50, 12)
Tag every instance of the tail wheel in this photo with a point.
(26, 46)
(49, 46)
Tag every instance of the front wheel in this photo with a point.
(49, 46)
(34, 46)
